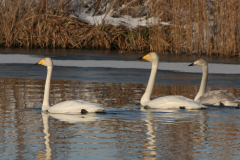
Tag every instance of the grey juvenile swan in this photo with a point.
(217, 97)
(166, 102)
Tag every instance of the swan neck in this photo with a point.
(45, 105)
(203, 86)
(146, 96)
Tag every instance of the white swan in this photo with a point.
(74, 106)
(217, 97)
(165, 102)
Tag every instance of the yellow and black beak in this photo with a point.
(144, 57)
(194, 63)
(40, 62)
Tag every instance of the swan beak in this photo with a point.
(40, 62)
(192, 64)
(144, 57)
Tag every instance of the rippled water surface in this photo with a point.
(116, 82)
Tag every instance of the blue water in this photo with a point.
(126, 131)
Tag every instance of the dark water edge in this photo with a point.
(117, 54)
(114, 75)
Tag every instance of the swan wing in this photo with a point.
(75, 106)
(218, 97)
(177, 102)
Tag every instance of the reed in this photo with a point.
(196, 27)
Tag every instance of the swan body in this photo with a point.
(73, 106)
(217, 97)
(179, 102)
(166, 102)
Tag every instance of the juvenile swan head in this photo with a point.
(45, 62)
(201, 62)
(151, 57)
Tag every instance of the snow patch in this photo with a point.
(124, 20)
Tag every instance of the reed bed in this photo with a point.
(195, 27)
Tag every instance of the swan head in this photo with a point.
(151, 57)
(45, 62)
(201, 62)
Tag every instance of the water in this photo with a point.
(126, 132)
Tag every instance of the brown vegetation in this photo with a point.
(200, 27)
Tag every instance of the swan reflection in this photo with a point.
(75, 118)
(48, 152)
(151, 146)
(168, 118)
(62, 117)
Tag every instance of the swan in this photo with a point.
(165, 102)
(73, 106)
(217, 97)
